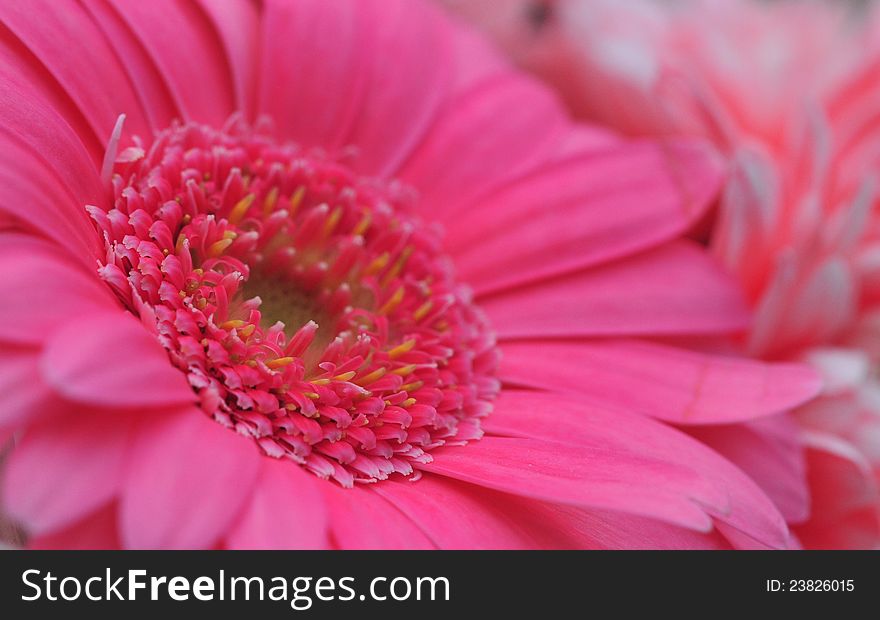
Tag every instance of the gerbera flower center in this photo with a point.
(309, 307)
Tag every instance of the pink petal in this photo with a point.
(844, 496)
(96, 531)
(238, 23)
(594, 207)
(31, 92)
(358, 70)
(109, 359)
(769, 452)
(187, 480)
(39, 289)
(661, 460)
(65, 468)
(456, 515)
(25, 395)
(533, 124)
(361, 519)
(331, 32)
(627, 297)
(286, 511)
(676, 385)
(148, 81)
(408, 64)
(32, 193)
(76, 56)
(188, 55)
(584, 476)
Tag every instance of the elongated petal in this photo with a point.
(456, 515)
(98, 530)
(769, 451)
(184, 47)
(76, 56)
(40, 290)
(286, 511)
(595, 207)
(674, 289)
(186, 482)
(110, 359)
(687, 470)
(676, 385)
(361, 519)
(79, 458)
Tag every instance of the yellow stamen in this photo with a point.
(312, 395)
(270, 201)
(373, 376)
(241, 208)
(404, 370)
(412, 387)
(218, 247)
(402, 348)
(378, 264)
(332, 222)
(280, 362)
(346, 376)
(363, 225)
(296, 198)
(233, 324)
(246, 332)
(319, 381)
(393, 301)
(408, 402)
(423, 310)
(398, 266)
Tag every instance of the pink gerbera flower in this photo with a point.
(235, 320)
(785, 90)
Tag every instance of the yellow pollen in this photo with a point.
(296, 198)
(218, 247)
(408, 402)
(373, 376)
(404, 370)
(423, 310)
(241, 208)
(270, 201)
(312, 395)
(280, 362)
(393, 301)
(398, 266)
(402, 348)
(378, 264)
(332, 222)
(233, 324)
(363, 225)
(202, 303)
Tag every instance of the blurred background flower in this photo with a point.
(789, 91)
